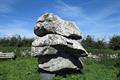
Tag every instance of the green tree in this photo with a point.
(115, 42)
(88, 41)
(15, 41)
(100, 44)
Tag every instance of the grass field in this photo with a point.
(25, 68)
(93, 71)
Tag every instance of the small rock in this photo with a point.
(46, 76)
(9, 55)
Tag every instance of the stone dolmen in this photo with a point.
(57, 47)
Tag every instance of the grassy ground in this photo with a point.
(25, 68)
(93, 71)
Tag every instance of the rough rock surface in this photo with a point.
(57, 46)
(57, 64)
(46, 76)
(7, 55)
(50, 50)
(49, 23)
(60, 61)
(37, 51)
(54, 39)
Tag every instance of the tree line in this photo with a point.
(113, 43)
(15, 41)
(89, 41)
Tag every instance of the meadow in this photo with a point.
(25, 67)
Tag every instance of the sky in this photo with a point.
(99, 18)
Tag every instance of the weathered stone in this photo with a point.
(50, 23)
(62, 61)
(57, 41)
(46, 76)
(57, 47)
(37, 51)
(7, 55)
(52, 50)
(57, 64)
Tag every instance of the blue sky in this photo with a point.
(100, 18)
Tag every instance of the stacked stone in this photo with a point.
(58, 44)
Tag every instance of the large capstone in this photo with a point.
(50, 23)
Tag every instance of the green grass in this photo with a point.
(25, 68)
(102, 51)
(14, 49)
(93, 71)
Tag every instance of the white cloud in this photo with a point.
(68, 10)
(19, 27)
(92, 25)
(74, 12)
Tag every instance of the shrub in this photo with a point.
(88, 42)
(115, 42)
(100, 44)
